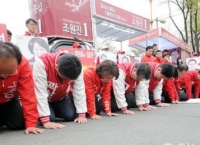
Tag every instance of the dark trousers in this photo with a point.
(98, 105)
(166, 96)
(151, 99)
(64, 109)
(182, 96)
(11, 115)
(130, 99)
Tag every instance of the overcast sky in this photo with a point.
(14, 13)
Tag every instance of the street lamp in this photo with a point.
(157, 20)
(150, 1)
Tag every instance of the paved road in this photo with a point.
(173, 125)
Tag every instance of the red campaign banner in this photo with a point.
(3, 33)
(152, 34)
(118, 15)
(63, 18)
(175, 40)
(86, 56)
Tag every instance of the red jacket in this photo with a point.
(189, 79)
(130, 83)
(159, 61)
(93, 86)
(147, 58)
(28, 34)
(153, 80)
(170, 88)
(21, 84)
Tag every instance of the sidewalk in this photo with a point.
(175, 124)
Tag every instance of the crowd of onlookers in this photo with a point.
(57, 87)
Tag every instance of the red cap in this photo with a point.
(76, 44)
(120, 52)
(194, 53)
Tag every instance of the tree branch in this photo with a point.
(175, 23)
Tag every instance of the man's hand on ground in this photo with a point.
(112, 114)
(96, 117)
(34, 130)
(81, 120)
(53, 125)
(163, 105)
(128, 112)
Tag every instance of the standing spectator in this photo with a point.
(98, 82)
(118, 53)
(155, 48)
(166, 57)
(158, 58)
(31, 26)
(76, 45)
(132, 57)
(179, 61)
(54, 76)
(194, 54)
(165, 52)
(9, 33)
(148, 55)
(16, 79)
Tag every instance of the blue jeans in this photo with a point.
(64, 109)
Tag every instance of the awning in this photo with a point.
(117, 24)
(161, 37)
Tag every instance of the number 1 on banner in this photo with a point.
(86, 29)
(39, 26)
(145, 24)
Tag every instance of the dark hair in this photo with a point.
(143, 70)
(165, 55)
(180, 67)
(9, 32)
(165, 50)
(125, 57)
(177, 61)
(148, 47)
(167, 70)
(154, 45)
(192, 60)
(31, 20)
(157, 51)
(69, 66)
(40, 41)
(9, 50)
(107, 67)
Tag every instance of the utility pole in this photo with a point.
(151, 25)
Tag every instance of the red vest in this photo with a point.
(153, 80)
(130, 83)
(57, 87)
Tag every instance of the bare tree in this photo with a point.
(191, 15)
